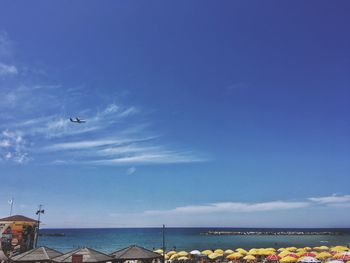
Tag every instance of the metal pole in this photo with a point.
(37, 229)
(163, 243)
(12, 199)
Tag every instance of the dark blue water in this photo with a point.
(109, 240)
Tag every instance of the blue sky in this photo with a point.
(199, 113)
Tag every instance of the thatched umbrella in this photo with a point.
(89, 255)
(40, 254)
(135, 253)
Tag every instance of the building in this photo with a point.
(17, 234)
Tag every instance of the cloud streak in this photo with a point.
(6, 70)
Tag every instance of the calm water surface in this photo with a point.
(109, 240)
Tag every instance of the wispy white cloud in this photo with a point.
(164, 157)
(332, 200)
(114, 134)
(8, 69)
(231, 207)
(13, 147)
(78, 145)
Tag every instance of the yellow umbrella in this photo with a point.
(219, 251)
(253, 251)
(214, 256)
(174, 256)
(242, 251)
(183, 258)
(307, 248)
(291, 249)
(337, 255)
(324, 248)
(207, 252)
(339, 249)
(267, 252)
(182, 254)
(288, 259)
(159, 251)
(234, 256)
(249, 258)
(270, 248)
(281, 249)
(323, 255)
(283, 253)
(170, 253)
(229, 251)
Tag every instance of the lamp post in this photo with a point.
(163, 243)
(38, 213)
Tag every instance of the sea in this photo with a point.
(111, 239)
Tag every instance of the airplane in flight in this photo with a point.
(77, 120)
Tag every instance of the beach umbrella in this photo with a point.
(170, 253)
(159, 251)
(229, 251)
(234, 256)
(307, 248)
(214, 256)
(292, 255)
(270, 248)
(253, 251)
(207, 252)
(273, 258)
(335, 261)
(288, 259)
(323, 255)
(321, 248)
(309, 254)
(301, 250)
(182, 258)
(266, 252)
(219, 251)
(283, 253)
(281, 249)
(344, 257)
(249, 258)
(195, 252)
(309, 260)
(166, 257)
(174, 256)
(339, 249)
(242, 251)
(182, 254)
(291, 249)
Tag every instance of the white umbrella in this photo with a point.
(335, 261)
(309, 260)
(195, 252)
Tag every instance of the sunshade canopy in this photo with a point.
(36, 255)
(89, 255)
(135, 253)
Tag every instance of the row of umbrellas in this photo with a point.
(283, 255)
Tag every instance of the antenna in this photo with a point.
(39, 212)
